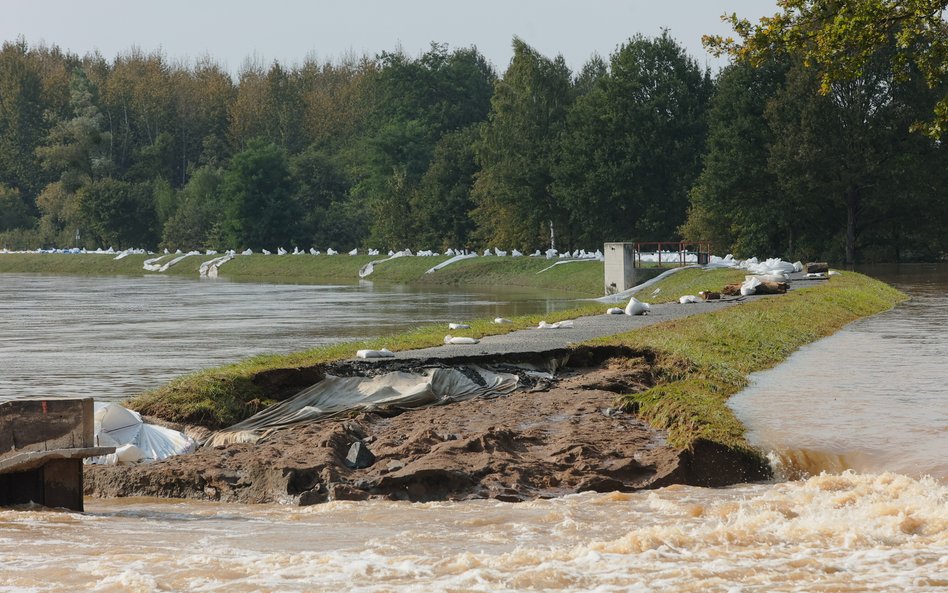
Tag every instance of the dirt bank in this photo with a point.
(547, 439)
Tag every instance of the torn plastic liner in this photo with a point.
(399, 390)
(134, 439)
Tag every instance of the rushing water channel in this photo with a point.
(872, 397)
(879, 530)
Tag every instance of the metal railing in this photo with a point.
(675, 252)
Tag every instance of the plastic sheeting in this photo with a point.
(338, 395)
(134, 439)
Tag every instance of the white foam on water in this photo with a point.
(839, 532)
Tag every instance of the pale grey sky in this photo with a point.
(288, 31)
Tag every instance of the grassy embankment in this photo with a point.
(582, 278)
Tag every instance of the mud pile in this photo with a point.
(546, 439)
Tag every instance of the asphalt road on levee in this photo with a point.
(535, 340)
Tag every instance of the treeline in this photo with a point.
(440, 151)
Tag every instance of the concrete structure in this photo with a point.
(619, 265)
(42, 445)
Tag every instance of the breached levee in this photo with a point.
(495, 427)
(641, 407)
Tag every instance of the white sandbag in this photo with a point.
(460, 340)
(383, 353)
(749, 286)
(689, 299)
(636, 307)
(798, 266)
(816, 275)
(458, 326)
(834, 272)
(615, 311)
(558, 325)
(501, 320)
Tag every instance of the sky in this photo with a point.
(290, 31)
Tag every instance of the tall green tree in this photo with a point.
(330, 217)
(119, 214)
(845, 154)
(442, 204)
(77, 150)
(415, 102)
(257, 189)
(634, 144)
(22, 125)
(844, 39)
(516, 152)
(736, 202)
(197, 221)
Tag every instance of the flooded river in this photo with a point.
(882, 529)
(112, 337)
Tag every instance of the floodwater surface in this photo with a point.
(112, 337)
(873, 398)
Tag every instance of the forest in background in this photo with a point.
(440, 150)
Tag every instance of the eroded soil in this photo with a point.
(543, 441)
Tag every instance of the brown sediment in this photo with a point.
(542, 441)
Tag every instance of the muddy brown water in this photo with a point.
(882, 529)
(112, 337)
(873, 397)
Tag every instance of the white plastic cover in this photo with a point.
(118, 427)
(339, 395)
(615, 311)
